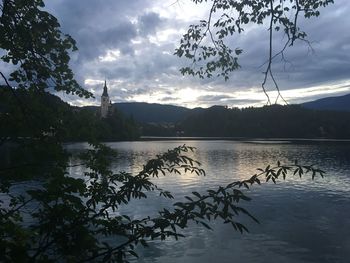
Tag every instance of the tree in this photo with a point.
(205, 43)
(33, 40)
(73, 215)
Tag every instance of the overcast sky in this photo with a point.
(130, 43)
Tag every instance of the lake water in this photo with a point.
(301, 220)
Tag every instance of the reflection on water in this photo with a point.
(301, 220)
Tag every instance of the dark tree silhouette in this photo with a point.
(63, 218)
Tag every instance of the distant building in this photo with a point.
(105, 103)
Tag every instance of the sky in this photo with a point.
(130, 44)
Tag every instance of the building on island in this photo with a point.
(106, 104)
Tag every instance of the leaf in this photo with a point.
(133, 253)
(143, 243)
(196, 194)
(189, 198)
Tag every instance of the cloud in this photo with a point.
(148, 23)
(165, 99)
(131, 44)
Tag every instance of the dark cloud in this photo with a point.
(118, 72)
(121, 33)
(169, 99)
(327, 60)
(98, 25)
(95, 43)
(213, 98)
(143, 37)
(225, 100)
(148, 23)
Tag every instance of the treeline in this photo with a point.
(276, 121)
(24, 113)
(86, 123)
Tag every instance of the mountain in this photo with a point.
(340, 103)
(159, 113)
(155, 113)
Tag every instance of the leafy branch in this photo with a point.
(199, 208)
(218, 203)
(207, 44)
(89, 210)
(33, 40)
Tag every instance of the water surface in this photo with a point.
(302, 220)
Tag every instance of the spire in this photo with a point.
(105, 93)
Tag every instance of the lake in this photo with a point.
(301, 220)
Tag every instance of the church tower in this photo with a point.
(105, 102)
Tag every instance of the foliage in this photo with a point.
(85, 124)
(152, 112)
(86, 208)
(31, 122)
(61, 217)
(65, 122)
(207, 44)
(262, 122)
(33, 40)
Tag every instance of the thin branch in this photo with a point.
(9, 213)
(209, 23)
(294, 29)
(268, 68)
(269, 71)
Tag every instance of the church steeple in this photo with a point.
(105, 102)
(105, 92)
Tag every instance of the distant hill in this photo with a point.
(340, 103)
(158, 113)
(275, 121)
(155, 113)
(46, 113)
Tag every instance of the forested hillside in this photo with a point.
(83, 123)
(274, 121)
(152, 112)
(58, 118)
(339, 103)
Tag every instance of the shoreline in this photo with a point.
(195, 138)
(239, 139)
